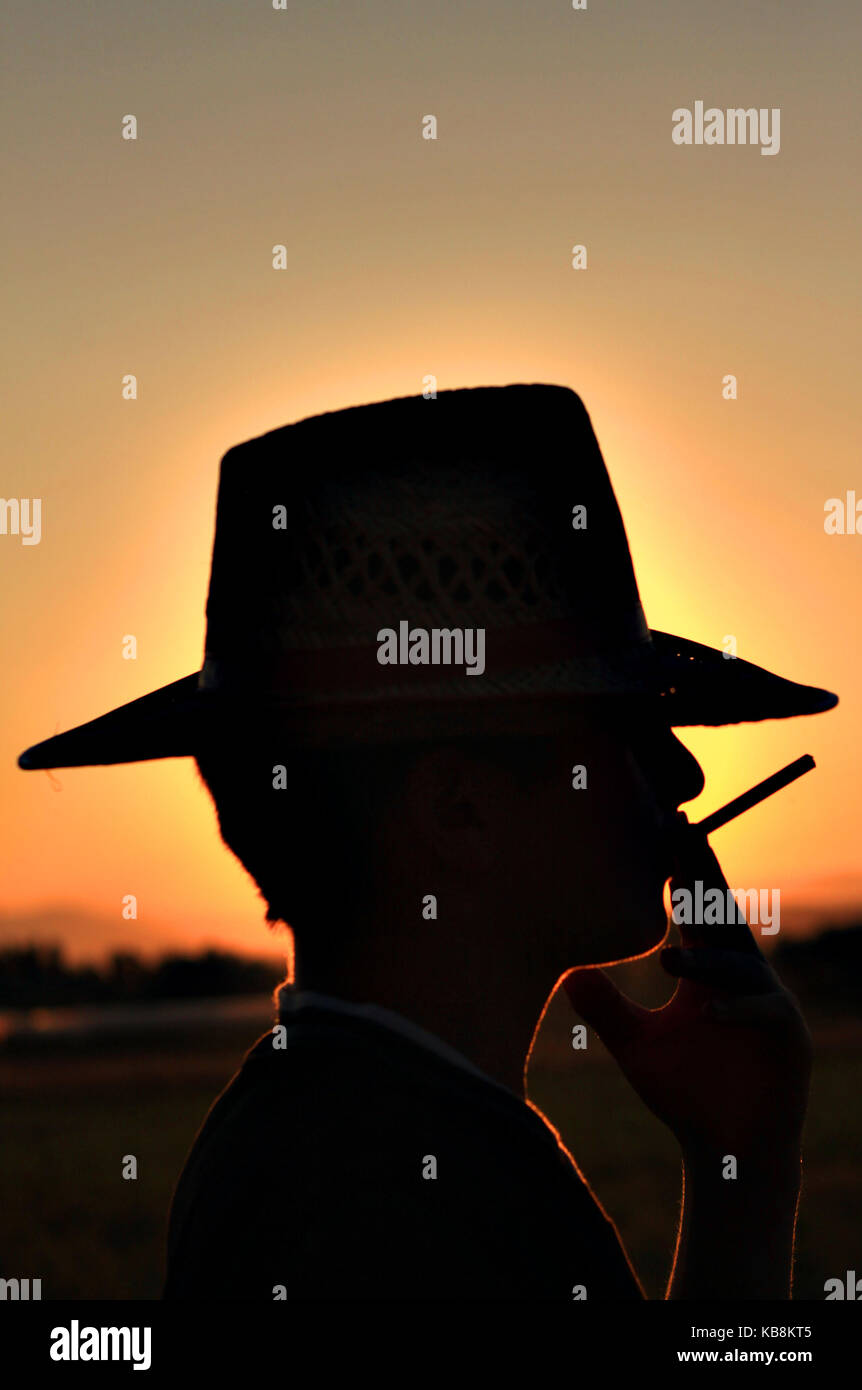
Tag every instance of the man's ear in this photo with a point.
(454, 803)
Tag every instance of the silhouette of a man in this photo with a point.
(442, 871)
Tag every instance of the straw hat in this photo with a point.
(487, 510)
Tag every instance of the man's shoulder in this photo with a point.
(321, 1076)
(342, 1146)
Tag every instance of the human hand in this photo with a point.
(725, 1064)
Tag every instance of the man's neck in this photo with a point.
(491, 1026)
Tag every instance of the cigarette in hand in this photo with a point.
(756, 794)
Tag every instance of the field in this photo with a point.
(69, 1118)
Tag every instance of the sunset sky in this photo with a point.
(408, 257)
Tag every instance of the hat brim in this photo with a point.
(697, 685)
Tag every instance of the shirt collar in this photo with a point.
(291, 999)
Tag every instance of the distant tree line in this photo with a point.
(826, 968)
(39, 977)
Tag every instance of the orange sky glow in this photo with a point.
(406, 258)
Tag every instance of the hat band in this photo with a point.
(357, 668)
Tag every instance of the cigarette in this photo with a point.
(756, 794)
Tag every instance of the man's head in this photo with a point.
(522, 852)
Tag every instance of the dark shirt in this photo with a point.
(307, 1178)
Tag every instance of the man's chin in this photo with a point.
(652, 939)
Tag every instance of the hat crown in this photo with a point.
(454, 512)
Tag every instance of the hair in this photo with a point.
(313, 848)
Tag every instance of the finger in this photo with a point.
(615, 1018)
(698, 873)
(724, 969)
(693, 857)
(752, 1009)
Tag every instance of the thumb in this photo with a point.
(615, 1018)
